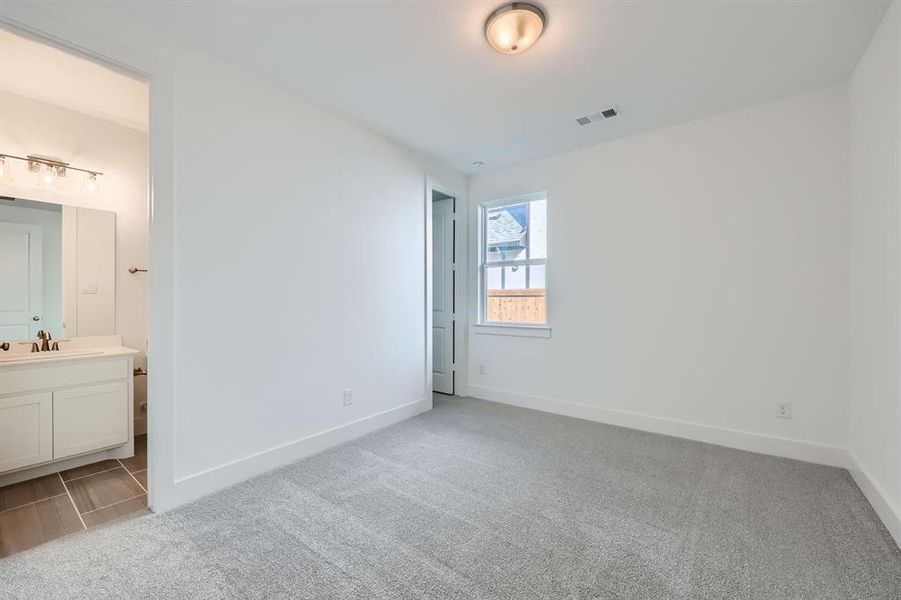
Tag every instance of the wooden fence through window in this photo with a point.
(517, 306)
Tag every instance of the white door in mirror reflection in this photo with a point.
(20, 281)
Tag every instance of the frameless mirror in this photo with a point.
(57, 270)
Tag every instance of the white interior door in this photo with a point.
(443, 296)
(21, 293)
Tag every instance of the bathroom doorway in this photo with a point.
(74, 255)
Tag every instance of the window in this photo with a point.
(513, 265)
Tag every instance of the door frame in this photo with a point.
(432, 184)
(163, 491)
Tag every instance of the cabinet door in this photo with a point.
(26, 425)
(89, 418)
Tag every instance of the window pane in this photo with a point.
(493, 278)
(506, 232)
(514, 278)
(538, 229)
(536, 277)
(516, 295)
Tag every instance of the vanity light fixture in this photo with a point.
(514, 27)
(49, 169)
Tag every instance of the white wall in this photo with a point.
(28, 126)
(697, 276)
(49, 219)
(875, 405)
(287, 263)
(300, 261)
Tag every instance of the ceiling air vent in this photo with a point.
(601, 115)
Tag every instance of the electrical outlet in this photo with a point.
(482, 370)
(348, 397)
(784, 410)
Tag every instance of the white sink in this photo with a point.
(52, 355)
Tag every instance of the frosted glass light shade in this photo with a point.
(46, 176)
(513, 28)
(90, 185)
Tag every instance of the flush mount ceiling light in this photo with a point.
(514, 27)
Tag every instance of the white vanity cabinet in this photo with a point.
(56, 408)
(89, 418)
(26, 430)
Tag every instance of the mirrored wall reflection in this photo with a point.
(31, 269)
(57, 270)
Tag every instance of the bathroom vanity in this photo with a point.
(68, 402)
(65, 408)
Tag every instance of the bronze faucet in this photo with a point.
(45, 338)
(4, 346)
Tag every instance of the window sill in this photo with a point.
(533, 331)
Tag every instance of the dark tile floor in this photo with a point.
(43, 509)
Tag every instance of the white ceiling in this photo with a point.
(44, 73)
(422, 73)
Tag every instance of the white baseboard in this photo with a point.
(877, 496)
(200, 484)
(731, 438)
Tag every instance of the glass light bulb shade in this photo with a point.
(46, 176)
(90, 186)
(513, 28)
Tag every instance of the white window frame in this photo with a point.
(484, 326)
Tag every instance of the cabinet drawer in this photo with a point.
(27, 378)
(89, 418)
(26, 437)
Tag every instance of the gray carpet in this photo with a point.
(480, 500)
